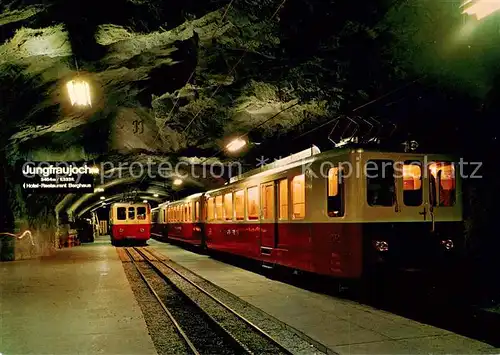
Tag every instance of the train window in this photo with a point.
(442, 184)
(210, 209)
(335, 193)
(299, 197)
(131, 213)
(253, 202)
(283, 199)
(381, 185)
(412, 183)
(218, 208)
(267, 196)
(121, 213)
(228, 207)
(197, 211)
(186, 213)
(190, 214)
(141, 213)
(239, 204)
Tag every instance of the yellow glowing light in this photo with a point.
(79, 93)
(103, 198)
(156, 195)
(236, 144)
(480, 8)
(94, 170)
(145, 201)
(98, 189)
(177, 182)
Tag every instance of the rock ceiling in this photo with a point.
(168, 88)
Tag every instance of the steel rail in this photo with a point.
(235, 342)
(258, 330)
(172, 319)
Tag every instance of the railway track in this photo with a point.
(206, 324)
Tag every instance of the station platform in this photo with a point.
(78, 301)
(342, 326)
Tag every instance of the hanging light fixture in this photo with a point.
(79, 92)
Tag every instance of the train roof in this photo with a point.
(124, 204)
(185, 199)
(305, 157)
(312, 154)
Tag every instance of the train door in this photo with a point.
(428, 190)
(268, 222)
(413, 191)
(442, 195)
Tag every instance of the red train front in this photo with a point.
(130, 222)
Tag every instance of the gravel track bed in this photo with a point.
(245, 334)
(193, 322)
(276, 329)
(165, 337)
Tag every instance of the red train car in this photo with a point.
(130, 222)
(184, 220)
(341, 213)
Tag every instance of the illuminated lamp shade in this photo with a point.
(79, 93)
(480, 8)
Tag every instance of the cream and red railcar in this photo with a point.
(183, 220)
(337, 213)
(130, 222)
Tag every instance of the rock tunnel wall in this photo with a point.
(27, 224)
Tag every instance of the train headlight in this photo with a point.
(121, 230)
(142, 229)
(447, 244)
(381, 245)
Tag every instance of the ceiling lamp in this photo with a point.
(79, 92)
(236, 144)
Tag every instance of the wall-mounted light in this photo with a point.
(79, 92)
(480, 8)
(145, 201)
(177, 182)
(98, 189)
(156, 195)
(103, 198)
